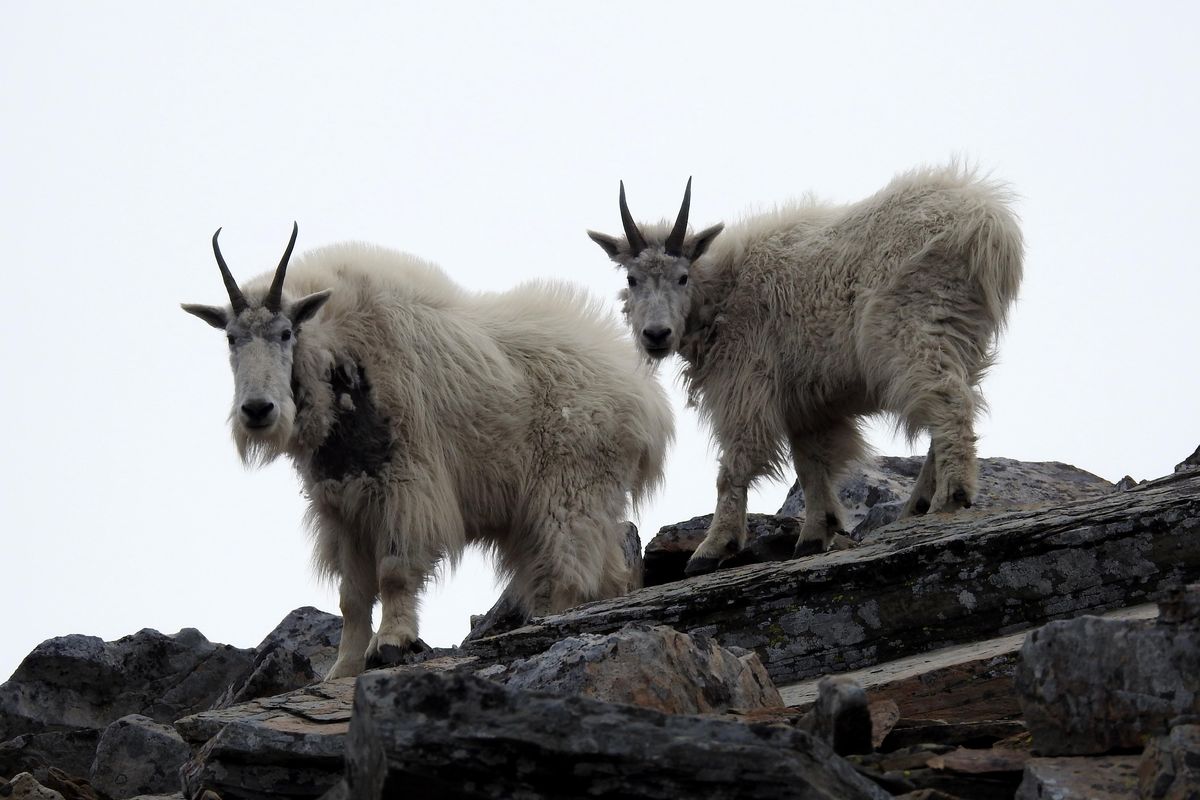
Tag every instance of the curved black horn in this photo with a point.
(674, 245)
(275, 295)
(235, 294)
(637, 242)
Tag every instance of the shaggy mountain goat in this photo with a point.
(422, 418)
(796, 322)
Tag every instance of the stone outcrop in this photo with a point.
(1091, 685)
(678, 689)
(75, 682)
(437, 735)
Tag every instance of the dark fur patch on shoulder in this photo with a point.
(359, 440)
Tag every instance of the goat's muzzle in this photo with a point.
(258, 414)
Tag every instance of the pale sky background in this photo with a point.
(488, 137)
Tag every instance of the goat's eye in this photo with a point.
(285, 335)
(683, 280)
(632, 281)
(232, 340)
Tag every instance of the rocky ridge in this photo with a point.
(952, 639)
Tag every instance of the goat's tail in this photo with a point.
(990, 237)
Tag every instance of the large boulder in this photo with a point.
(1091, 685)
(74, 682)
(654, 667)
(137, 756)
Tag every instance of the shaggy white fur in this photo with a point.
(423, 417)
(794, 323)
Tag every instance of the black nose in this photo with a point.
(656, 337)
(257, 410)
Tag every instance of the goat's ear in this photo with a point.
(695, 246)
(217, 317)
(306, 307)
(611, 244)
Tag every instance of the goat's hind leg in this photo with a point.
(820, 459)
(921, 498)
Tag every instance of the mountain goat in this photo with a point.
(422, 418)
(797, 322)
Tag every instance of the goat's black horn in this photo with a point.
(674, 245)
(275, 295)
(235, 294)
(637, 242)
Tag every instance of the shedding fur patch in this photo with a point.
(360, 440)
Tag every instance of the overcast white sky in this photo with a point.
(487, 137)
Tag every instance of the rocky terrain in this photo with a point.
(1045, 644)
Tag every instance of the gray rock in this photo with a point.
(1170, 766)
(1189, 463)
(455, 735)
(25, 787)
(1108, 778)
(70, 751)
(136, 756)
(654, 667)
(278, 757)
(299, 651)
(1092, 685)
(74, 682)
(841, 717)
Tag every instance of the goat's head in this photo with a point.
(657, 267)
(262, 340)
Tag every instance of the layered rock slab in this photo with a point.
(920, 585)
(456, 735)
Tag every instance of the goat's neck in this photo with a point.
(710, 285)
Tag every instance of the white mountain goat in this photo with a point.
(422, 418)
(795, 323)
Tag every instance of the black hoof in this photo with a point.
(960, 497)
(390, 655)
(921, 506)
(701, 566)
(810, 547)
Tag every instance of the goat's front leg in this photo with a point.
(356, 602)
(727, 531)
(399, 584)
